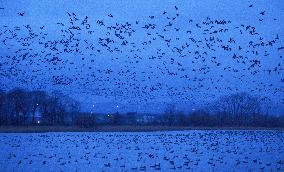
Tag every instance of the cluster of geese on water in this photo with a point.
(158, 151)
(164, 55)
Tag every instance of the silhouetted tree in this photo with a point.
(168, 118)
(71, 107)
(20, 100)
(239, 106)
(85, 120)
(199, 118)
(3, 116)
(181, 119)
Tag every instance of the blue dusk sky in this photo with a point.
(136, 55)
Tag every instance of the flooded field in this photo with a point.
(196, 150)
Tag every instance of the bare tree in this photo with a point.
(240, 106)
(20, 100)
(169, 116)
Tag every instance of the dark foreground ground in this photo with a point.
(42, 129)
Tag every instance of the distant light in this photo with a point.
(93, 105)
(108, 115)
(38, 122)
(37, 104)
(193, 109)
(117, 106)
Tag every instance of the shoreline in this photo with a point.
(45, 129)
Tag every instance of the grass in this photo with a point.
(43, 129)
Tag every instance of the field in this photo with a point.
(191, 150)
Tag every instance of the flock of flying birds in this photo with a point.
(165, 55)
(144, 151)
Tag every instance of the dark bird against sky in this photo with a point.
(136, 53)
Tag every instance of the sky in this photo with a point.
(134, 55)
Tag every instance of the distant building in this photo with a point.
(147, 118)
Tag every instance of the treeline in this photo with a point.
(199, 118)
(22, 107)
(235, 110)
